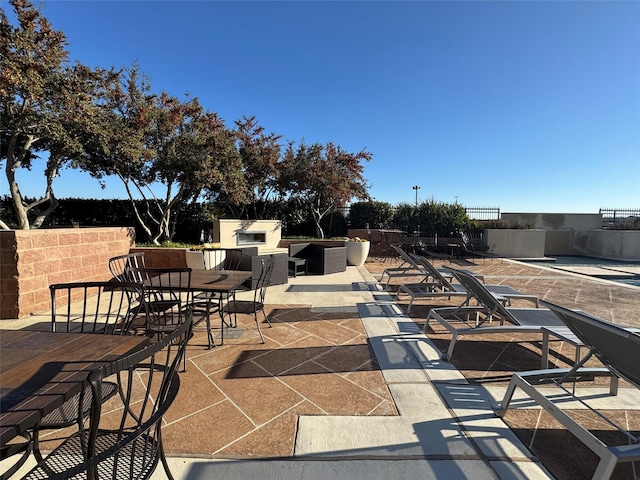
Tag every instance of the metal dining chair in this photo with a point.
(126, 442)
(102, 308)
(251, 307)
(118, 265)
(168, 299)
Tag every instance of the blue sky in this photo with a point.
(527, 106)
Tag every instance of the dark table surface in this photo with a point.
(41, 370)
(224, 281)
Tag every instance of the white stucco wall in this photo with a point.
(557, 221)
(618, 244)
(225, 232)
(517, 243)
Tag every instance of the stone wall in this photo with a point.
(31, 260)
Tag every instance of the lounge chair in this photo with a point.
(442, 287)
(618, 349)
(478, 320)
(408, 268)
(482, 251)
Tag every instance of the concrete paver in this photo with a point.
(446, 427)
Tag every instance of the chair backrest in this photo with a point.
(266, 267)
(137, 421)
(466, 241)
(119, 264)
(483, 296)
(616, 347)
(406, 257)
(95, 307)
(168, 296)
(432, 271)
(232, 258)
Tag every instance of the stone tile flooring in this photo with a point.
(243, 399)
(490, 360)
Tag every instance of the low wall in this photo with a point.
(157, 257)
(284, 243)
(558, 243)
(557, 221)
(31, 260)
(616, 244)
(512, 243)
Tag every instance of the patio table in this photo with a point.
(213, 281)
(41, 370)
(222, 282)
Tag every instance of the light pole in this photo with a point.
(416, 188)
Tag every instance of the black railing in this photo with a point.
(483, 213)
(613, 216)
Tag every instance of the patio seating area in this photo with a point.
(346, 385)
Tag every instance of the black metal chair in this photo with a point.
(22, 447)
(118, 265)
(207, 303)
(89, 307)
(168, 299)
(127, 443)
(251, 307)
(232, 258)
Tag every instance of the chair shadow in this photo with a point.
(285, 360)
(302, 314)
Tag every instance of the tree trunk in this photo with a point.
(16, 196)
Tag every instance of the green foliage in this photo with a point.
(322, 178)
(629, 224)
(505, 224)
(431, 217)
(164, 245)
(404, 217)
(376, 214)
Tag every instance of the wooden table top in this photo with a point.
(41, 370)
(217, 280)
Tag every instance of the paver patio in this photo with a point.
(321, 363)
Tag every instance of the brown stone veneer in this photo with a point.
(31, 260)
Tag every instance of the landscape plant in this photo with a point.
(373, 213)
(44, 107)
(108, 122)
(321, 178)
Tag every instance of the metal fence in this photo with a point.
(483, 213)
(611, 216)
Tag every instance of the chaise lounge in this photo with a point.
(490, 316)
(618, 349)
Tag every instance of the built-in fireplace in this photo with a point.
(258, 239)
(233, 233)
(251, 238)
